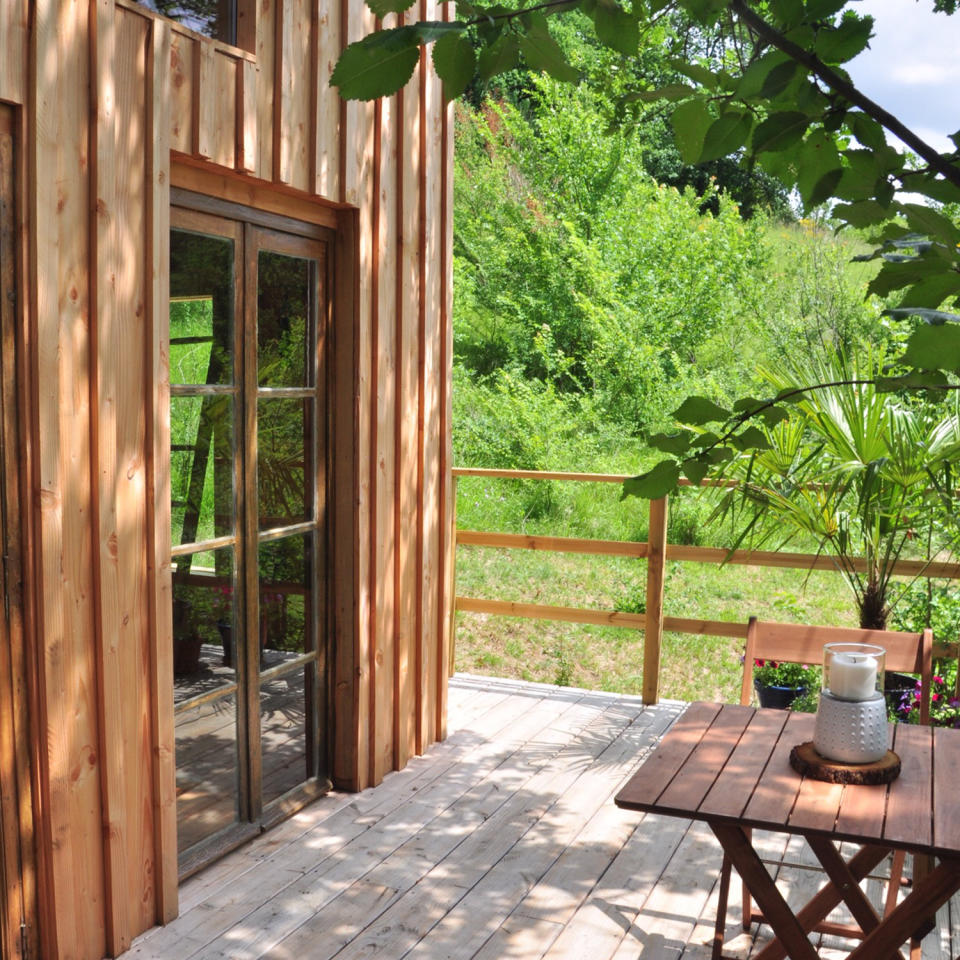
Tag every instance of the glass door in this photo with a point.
(247, 454)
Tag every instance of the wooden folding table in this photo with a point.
(728, 766)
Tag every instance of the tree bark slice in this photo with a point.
(804, 759)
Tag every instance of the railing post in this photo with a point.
(653, 630)
(452, 658)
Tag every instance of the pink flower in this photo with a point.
(935, 697)
(938, 680)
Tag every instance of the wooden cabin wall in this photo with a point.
(116, 105)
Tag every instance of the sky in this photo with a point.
(912, 67)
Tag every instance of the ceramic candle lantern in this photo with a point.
(851, 725)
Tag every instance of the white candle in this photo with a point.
(853, 676)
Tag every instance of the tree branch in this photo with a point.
(818, 68)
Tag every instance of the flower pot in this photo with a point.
(779, 698)
(186, 654)
(226, 638)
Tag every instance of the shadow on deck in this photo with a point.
(501, 842)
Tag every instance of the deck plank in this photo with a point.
(502, 841)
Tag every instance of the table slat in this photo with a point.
(863, 808)
(695, 778)
(734, 786)
(643, 788)
(817, 806)
(910, 797)
(946, 809)
(774, 796)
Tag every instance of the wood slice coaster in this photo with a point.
(804, 759)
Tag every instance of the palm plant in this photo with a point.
(859, 471)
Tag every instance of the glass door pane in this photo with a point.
(203, 510)
(288, 521)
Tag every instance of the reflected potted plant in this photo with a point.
(778, 683)
(187, 640)
(223, 612)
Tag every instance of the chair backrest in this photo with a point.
(802, 643)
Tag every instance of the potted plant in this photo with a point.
(779, 683)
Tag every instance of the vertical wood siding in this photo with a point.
(107, 91)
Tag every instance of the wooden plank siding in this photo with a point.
(117, 105)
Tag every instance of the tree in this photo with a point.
(764, 81)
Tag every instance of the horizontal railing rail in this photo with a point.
(656, 551)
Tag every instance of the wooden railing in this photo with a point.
(656, 551)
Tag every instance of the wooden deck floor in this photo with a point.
(501, 842)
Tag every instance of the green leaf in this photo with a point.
(818, 9)
(755, 76)
(927, 220)
(542, 52)
(726, 135)
(935, 317)
(691, 121)
(780, 131)
(824, 188)
(932, 291)
(867, 131)
(819, 169)
(675, 443)
(454, 60)
(864, 213)
(934, 348)
(698, 74)
(616, 28)
(704, 11)
(779, 78)
(382, 7)
(750, 406)
(773, 415)
(940, 190)
(901, 271)
(700, 410)
(914, 380)
(672, 92)
(377, 65)
(499, 57)
(653, 484)
(695, 470)
(842, 43)
(750, 439)
(430, 30)
(718, 454)
(788, 12)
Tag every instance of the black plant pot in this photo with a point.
(779, 698)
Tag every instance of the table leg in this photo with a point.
(719, 927)
(826, 899)
(839, 872)
(926, 897)
(780, 917)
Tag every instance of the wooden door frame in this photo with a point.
(18, 690)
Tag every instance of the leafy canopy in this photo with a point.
(764, 81)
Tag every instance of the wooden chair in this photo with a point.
(801, 643)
